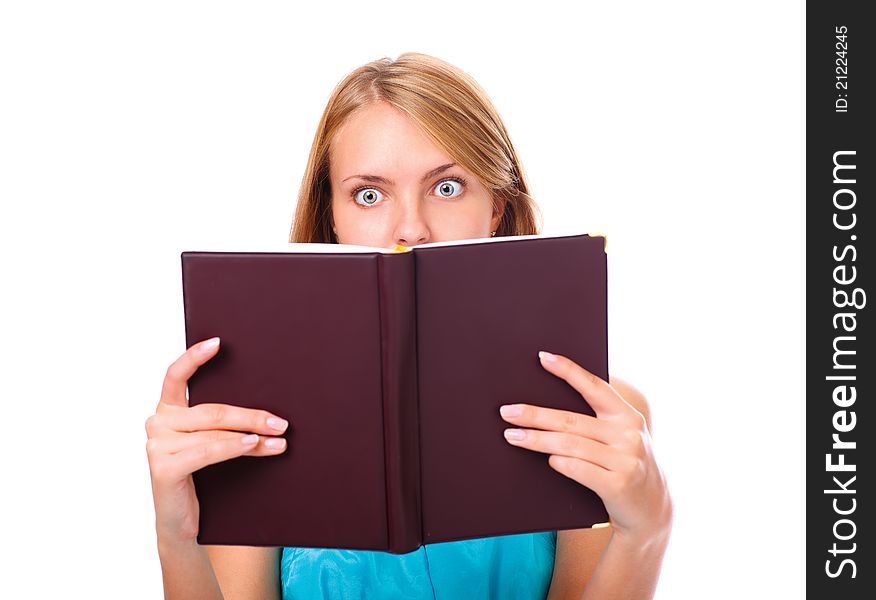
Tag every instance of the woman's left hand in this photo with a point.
(610, 453)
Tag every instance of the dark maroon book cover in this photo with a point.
(391, 368)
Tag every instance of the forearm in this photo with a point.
(629, 567)
(187, 571)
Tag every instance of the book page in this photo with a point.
(503, 238)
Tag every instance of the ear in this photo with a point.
(498, 212)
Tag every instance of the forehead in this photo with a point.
(379, 139)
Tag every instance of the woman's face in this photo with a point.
(392, 185)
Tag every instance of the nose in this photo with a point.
(411, 228)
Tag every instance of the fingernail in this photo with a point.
(515, 434)
(209, 344)
(547, 356)
(277, 423)
(275, 443)
(250, 439)
(511, 410)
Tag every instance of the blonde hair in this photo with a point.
(453, 111)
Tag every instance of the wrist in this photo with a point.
(642, 543)
(651, 537)
(170, 544)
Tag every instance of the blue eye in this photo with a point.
(368, 196)
(449, 188)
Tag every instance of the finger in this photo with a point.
(567, 444)
(172, 442)
(587, 474)
(224, 416)
(173, 390)
(603, 398)
(269, 446)
(197, 457)
(551, 419)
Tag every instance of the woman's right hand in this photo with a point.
(183, 439)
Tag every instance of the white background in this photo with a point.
(132, 131)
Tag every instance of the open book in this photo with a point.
(391, 365)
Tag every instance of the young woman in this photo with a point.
(408, 152)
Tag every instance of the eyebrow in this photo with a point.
(385, 181)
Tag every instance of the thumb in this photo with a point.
(173, 391)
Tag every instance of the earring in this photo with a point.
(493, 233)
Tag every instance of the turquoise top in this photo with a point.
(510, 566)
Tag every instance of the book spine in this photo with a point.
(398, 331)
